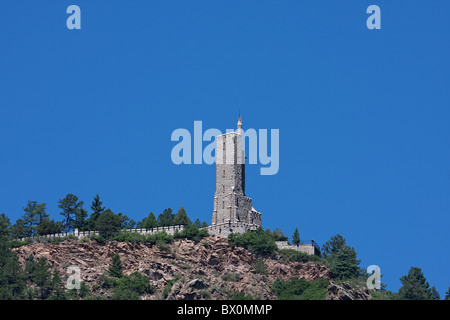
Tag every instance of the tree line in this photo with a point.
(36, 221)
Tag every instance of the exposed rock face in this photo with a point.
(209, 269)
(346, 291)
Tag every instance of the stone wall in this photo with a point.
(83, 234)
(309, 248)
(224, 229)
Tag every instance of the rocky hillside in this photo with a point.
(183, 269)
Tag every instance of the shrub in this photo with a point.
(300, 289)
(260, 267)
(231, 277)
(108, 224)
(192, 232)
(131, 287)
(259, 242)
(291, 255)
(240, 295)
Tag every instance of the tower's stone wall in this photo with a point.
(231, 206)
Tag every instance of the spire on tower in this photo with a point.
(239, 123)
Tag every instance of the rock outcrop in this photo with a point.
(208, 269)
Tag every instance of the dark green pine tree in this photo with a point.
(97, 209)
(333, 245)
(115, 268)
(57, 287)
(70, 208)
(166, 218)
(181, 218)
(447, 294)
(296, 237)
(148, 222)
(39, 273)
(48, 226)
(19, 229)
(80, 222)
(12, 278)
(34, 214)
(415, 287)
(341, 258)
(108, 224)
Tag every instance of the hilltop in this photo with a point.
(211, 268)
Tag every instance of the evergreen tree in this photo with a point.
(115, 268)
(296, 237)
(126, 222)
(344, 264)
(70, 209)
(108, 224)
(57, 287)
(19, 229)
(80, 222)
(341, 258)
(149, 222)
(200, 224)
(97, 209)
(166, 218)
(34, 214)
(416, 287)
(447, 294)
(333, 245)
(48, 226)
(41, 276)
(181, 218)
(12, 280)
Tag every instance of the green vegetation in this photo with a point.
(115, 269)
(341, 258)
(231, 277)
(296, 237)
(290, 255)
(192, 232)
(168, 287)
(415, 287)
(260, 267)
(259, 242)
(126, 287)
(37, 280)
(300, 289)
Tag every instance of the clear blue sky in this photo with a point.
(364, 115)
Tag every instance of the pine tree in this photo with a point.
(447, 294)
(296, 237)
(341, 258)
(115, 268)
(34, 214)
(416, 287)
(48, 226)
(70, 208)
(181, 218)
(333, 245)
(80, 222)
(19, 229)
(42, 277)
(57, 287)
(108, 224)
(97, 209)
(166, 218)
(12, 279)
(149, 222)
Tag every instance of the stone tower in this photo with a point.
(233, 211)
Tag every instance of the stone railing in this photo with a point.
(224, 229)
(308, 247)
(83, 234)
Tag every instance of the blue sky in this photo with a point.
(363, 114)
